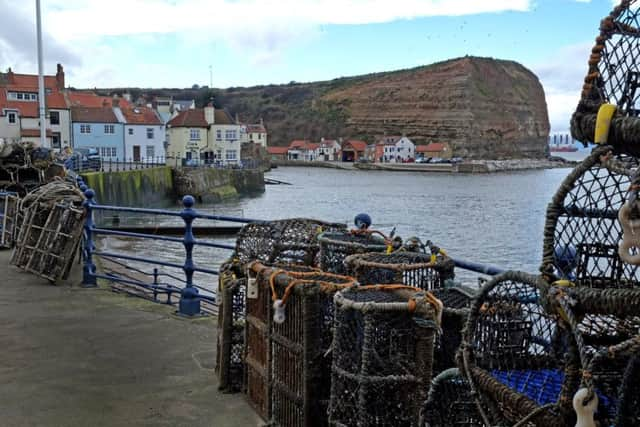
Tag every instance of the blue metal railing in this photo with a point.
(191, 295)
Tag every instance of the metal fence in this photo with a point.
(78, 163)
(157, 279)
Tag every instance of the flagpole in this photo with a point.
(41, 91)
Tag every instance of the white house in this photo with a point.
(144, 134)
(397, 149)
(225, 136)
(328, 150)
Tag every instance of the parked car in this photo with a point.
(455, 160)
(363, 160)
(423, 159)
(84, 159)
(435, 160)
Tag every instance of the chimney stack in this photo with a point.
(209, 113)
(10, 78)
(60, 77)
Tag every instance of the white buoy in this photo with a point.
(585, 413)
(278, 312)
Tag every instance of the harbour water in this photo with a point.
(494, 219)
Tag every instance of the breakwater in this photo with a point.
(154, 186)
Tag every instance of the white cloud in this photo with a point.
(562, 75)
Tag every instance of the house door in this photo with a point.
(136, 153)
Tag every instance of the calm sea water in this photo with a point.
(493, 219)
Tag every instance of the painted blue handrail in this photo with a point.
(191, 295)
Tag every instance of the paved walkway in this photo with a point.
(90, 358)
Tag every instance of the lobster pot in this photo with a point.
(457, 301)
(268, 379)
(48, 240)
(382, 356)
(582, 230)
(450, 402)
(290, 241)
(8, 214)
(517, 357)
(231, 319)
(409, 268)
(300, 350)
(335, 247)
(606, 326)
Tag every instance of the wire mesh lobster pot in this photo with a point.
(517, 357)
(8, 218)
(456, 301)
(288, 241)
(288, 370)
(50, 230)
(382, 355)
(231, 325)
(335, 247)
(410, 268)
(450, 402)
(606, 327)
(582, 230)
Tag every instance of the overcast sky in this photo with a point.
(173, 43)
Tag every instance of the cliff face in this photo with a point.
(484, 108)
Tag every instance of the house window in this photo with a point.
(149, 135)
(218, 134)
(231, 155)
(219, 154)
(12, 117)
(194, 135)
(54, 117)
(150, 151)
(259, 136)
(130, 131)
(110, 129)
(34, 97)
(85, 128)
(113, 151)
(230, 134)
(19, 96)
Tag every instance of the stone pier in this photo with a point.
(74, 357)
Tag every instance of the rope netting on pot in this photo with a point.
(456, 301)
(231, 319)
(450, 403)
(290, 241)
(289, 335)
(611, 86)
(382, 355)
(410, 268)
(582, 230)
(335, 247)
(8, 219)
(50, 227)
(606, 326)
(517, 356)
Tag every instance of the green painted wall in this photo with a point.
(140, 188)
(154, 187)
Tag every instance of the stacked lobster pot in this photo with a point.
(287, 243)
(50, 228)
(8, 217)
(382, 355)
(562, 348)
(435, 273)
(335, 247)
(288, 346)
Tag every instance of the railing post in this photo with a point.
(88, 268)
(189, 297)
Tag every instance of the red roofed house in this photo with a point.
(301, 149)
(144, 134)
(204, 134)
(435, 149)
(353, 149)
(256, 133)
(19, 109)
(278, 153)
